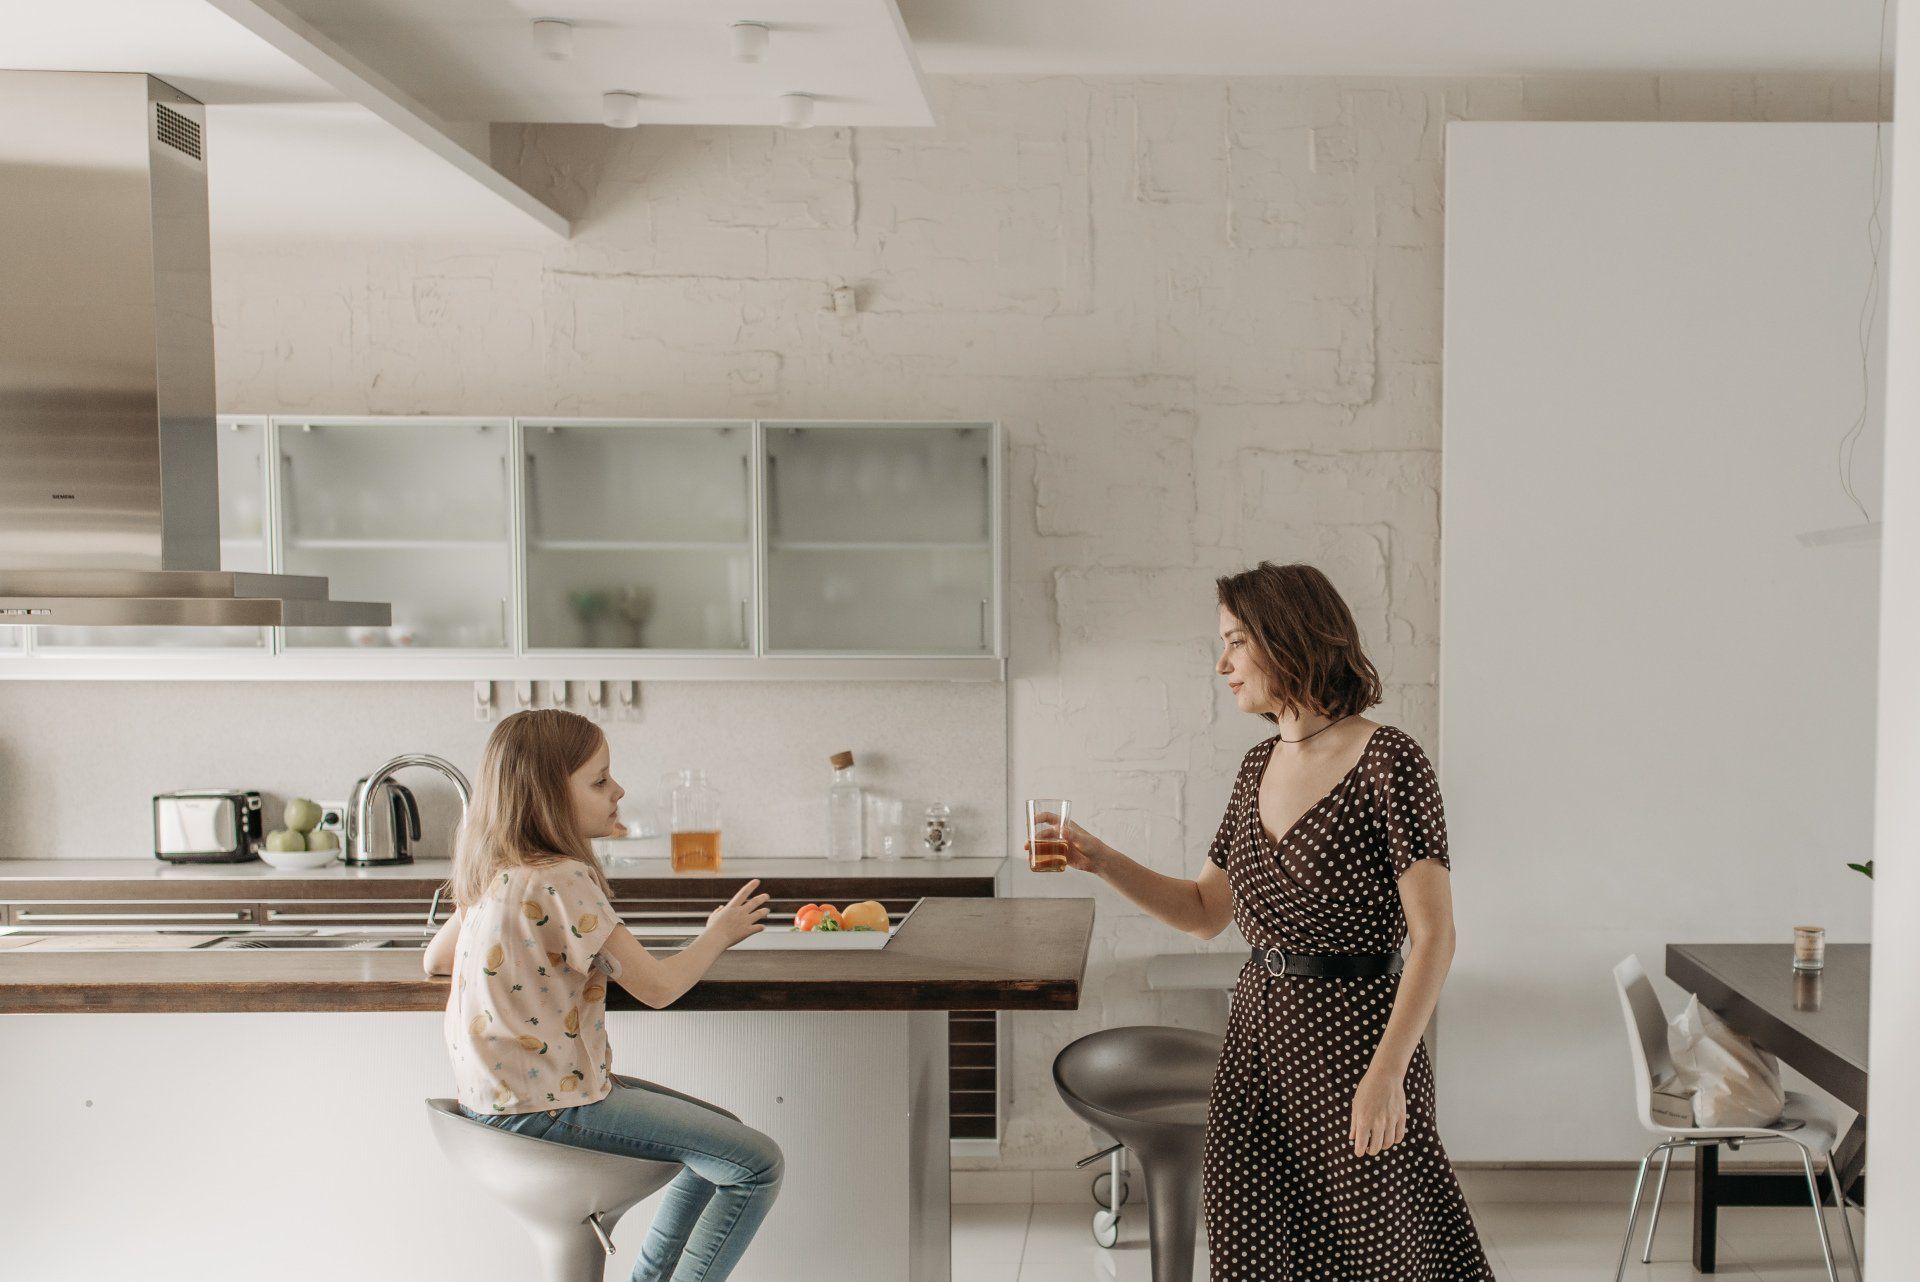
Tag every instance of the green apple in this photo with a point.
(283, 839)
(301, 815)
(323, 839)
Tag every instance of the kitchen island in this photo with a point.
(213, 1115)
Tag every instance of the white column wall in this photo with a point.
(1893, 1151)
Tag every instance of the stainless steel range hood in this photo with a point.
(109, 501)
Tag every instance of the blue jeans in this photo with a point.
(712, 1209)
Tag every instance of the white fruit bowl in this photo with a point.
(295, 860)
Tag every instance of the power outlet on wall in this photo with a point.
(333, 817)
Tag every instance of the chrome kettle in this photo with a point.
(395, 844)
(365, 845)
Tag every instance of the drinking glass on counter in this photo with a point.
(1047, 819)
(1809, 948)
(889, 833)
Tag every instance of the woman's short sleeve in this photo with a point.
(568, 913)
(1230, 822)
(1410, 813)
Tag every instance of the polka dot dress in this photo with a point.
(1286, 1199)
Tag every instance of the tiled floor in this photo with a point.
(1526, 1242)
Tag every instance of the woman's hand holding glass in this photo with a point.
(1084, 850)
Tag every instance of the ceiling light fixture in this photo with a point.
(796, 110)
(750, 40)
(620, 110)
(554, 38)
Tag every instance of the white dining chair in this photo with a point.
(1804, 1124)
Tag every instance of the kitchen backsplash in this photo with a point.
(80, 761)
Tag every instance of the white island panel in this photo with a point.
(217, 1147)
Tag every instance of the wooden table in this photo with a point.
(1817, 1022)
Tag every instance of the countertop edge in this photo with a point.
(929, 946)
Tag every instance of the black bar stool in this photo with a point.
(1147, 1086)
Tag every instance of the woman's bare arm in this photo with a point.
(1201, 908)
(1379, 1104)
(1426, 896)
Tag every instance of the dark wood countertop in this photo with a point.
(30, 880)
(956, 954)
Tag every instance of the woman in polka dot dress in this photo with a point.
(1322, 1161)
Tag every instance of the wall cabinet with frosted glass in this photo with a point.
(597, 549)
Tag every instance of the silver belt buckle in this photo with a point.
(1267, 961)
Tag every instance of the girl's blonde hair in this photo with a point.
(522, 811)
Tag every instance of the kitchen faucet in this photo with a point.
(359, 846)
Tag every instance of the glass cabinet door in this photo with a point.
(410, 511)
(879, 538)
(242, 473)
(638, 536)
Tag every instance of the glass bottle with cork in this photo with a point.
(696, 822)
(846, 812)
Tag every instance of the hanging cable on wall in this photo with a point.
(1868, 529)
(1870, 306)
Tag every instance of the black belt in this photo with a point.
(1329, 965)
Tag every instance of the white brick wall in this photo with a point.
(1207, 310)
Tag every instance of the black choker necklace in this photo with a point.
(1322, 730)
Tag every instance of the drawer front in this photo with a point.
(349, 912)
(92, 914)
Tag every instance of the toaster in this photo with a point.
(206, 826)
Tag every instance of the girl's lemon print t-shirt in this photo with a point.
(527, 1016)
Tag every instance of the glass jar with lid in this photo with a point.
(695, 824)
(937, 835)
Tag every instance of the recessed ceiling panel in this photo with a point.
(473, 60)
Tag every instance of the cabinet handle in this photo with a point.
(743, 624)
(983, 623)
(31, 914)
(289, 515)
(986, 492)
(533, 500)
(773, 497)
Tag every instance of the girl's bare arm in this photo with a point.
(440, 949)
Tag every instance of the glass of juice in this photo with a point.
(696, 822)
(1047, 834)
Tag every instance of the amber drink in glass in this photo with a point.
(696, 822)
(1047, 834)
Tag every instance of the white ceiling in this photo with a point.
(187, 43)
(1391, 37)
(336, 171)
(288, 158)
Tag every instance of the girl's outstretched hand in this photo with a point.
(1084, 850)
(740, 916)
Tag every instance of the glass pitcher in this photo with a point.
(696, 822)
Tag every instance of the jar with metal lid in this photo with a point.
(938, 833)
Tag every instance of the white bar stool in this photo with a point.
(567, 1198)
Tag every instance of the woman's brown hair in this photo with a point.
(1303, 639)
(522, 811)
